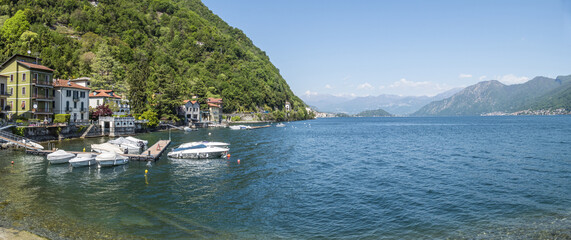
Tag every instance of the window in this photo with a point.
(67, 106)
(68, 93)
(82, 94)
(11, 77)
(97, 103)
(23, 105)
(75, 105)
(24, 91)
(11, 104)
(11, 91)
(35, 77)
(23, 77)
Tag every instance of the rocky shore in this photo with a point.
(12, 234)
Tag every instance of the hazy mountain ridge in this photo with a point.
(493, 96)
(393, 104)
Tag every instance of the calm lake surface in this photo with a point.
(339, 178)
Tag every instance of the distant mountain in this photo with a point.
(374, 113)
(493, 96)
(398, 105)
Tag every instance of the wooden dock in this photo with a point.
(152, 153)
(258, 127)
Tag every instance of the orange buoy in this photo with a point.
(238, 161)
(228, 156)
(12, 162)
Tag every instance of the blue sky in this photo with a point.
(410, 48)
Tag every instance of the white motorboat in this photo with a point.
(239, 127)
(60, 156)
(108, 159)
(280, 125)
(108, 147)
(32, 144)
(208, 144)
(83, 160)
(198, 151)
(133, 145)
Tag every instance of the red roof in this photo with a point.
(214, 105)
(35, 66)
(68, 84)
(186, 101)
(214, 100)
(104, 93)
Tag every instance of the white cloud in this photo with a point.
(310, 93)
(406, 83)
(365, 85)
(405, 87)
(328, 86)
(483, 77)
(512, 79)
(463, 75)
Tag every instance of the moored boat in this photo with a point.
(60, 156)
(83, 160)
(198, 152)
(108, 159)
(208, 144)
(239, 127)
(108, 147)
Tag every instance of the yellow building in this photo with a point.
(30, 87)
(3, 95)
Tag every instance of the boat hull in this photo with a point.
(198, 154)
(60, 160)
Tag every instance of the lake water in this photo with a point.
(339, 178)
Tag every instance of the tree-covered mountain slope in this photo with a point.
(157, 52)
(493, 96)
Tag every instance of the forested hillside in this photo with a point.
(157, 52)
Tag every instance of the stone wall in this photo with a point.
(49, 133)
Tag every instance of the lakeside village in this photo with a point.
(39, 107)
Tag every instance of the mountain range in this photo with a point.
(487, 97)
(394, 104)
(493, 96)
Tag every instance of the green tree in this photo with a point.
(151, 116)
(13, 27)
(104, 68)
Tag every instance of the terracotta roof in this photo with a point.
(104, 93)
(186, 101)
(68, 84)
(214, 100)
(35, 66)
(213, 105)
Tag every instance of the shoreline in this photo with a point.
(10, 233)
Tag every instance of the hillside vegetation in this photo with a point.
(157, 52)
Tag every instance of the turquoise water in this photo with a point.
(340, 178)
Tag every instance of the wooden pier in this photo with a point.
(152, 153)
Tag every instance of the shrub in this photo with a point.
(61, 118)
(235, 119)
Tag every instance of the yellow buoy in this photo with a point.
(146, 171)
(83, 149)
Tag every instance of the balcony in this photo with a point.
(42, 83)
(67, 110)
(5, 94)
(42, 111)
(83, 110)
(42, 97)
(75, 98)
